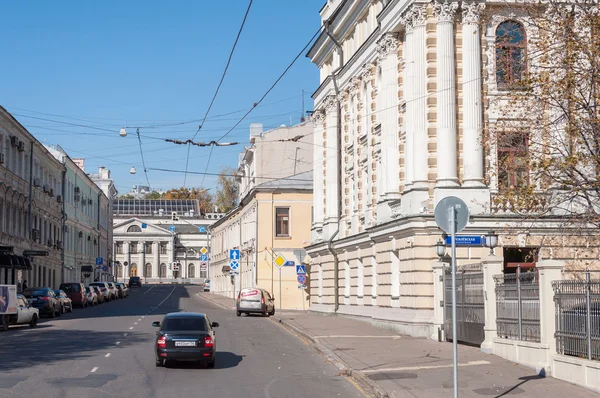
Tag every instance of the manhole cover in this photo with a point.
(89, 381)
(496, 391)
(11, 381)
(392, 376)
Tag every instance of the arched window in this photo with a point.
(163, 270)
(511, 49)
(191, 271)
(148, 271)
(134, 228)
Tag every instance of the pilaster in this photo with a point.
(492, 265)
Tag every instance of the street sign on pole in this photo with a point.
(280, 261)
(234, 265)
(466, 240)
(452, 215)
(289, 263)
(204, 250)
(99, 260)
(234, 254)
(301, 279)
(203, 257)
(172, 228)
(301, 269)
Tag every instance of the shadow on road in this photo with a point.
(52, 345)
(225, 360)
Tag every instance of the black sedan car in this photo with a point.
(185, 336)
(44, 299)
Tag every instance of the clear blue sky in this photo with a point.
(106, 64)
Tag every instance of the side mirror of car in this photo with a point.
(214, 325)
(156, 324)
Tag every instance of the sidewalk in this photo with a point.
(401, 366)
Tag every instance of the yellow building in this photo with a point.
(273, 220)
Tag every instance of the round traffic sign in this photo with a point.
(444, 216)
(301, 279)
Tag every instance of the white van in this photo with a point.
(255, 300)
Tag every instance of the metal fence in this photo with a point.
(578, 317)
(518, 306)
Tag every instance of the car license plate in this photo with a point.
(185, 344)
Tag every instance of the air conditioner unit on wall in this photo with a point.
(14, 141)
(59, 198)
(21, 146)
(77, 190)
(49, 243)
(80, 234)
(51, 193)
(66, 229)
(36, 182)
(1, 158)
(45, 188)
(35, 234)
(76, 197)
(90, 201)
(59, 244)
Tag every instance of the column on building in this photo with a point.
(387, 48)
(446, 94)
(332, 165)
(170, 259)
(318, 180)
(419, 96)
(367, 111)
(141, 263)
(127, 256)
(155, 259)
(408, 120)
(472, 97)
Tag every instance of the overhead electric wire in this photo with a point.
(275, 83)
(143, 161)
(232, 175)
(237, 38)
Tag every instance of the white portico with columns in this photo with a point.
(396, 129)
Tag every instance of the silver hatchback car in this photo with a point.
(255, 300)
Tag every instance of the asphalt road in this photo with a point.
(108, 351)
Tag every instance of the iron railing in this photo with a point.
(578, 317)
(518, 306)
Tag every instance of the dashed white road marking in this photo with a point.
(135, 323)
(124, 334)
(471, 363)
(107, 355)
(165, 299)
(143, 316)
(118, 342)
(131, 328)
(94, 369)
(153, 286)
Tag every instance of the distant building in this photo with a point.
(161, 240)
(140, 191)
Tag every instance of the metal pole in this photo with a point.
(280, 302)
(454, 342)
(519, 310)
(588, 286)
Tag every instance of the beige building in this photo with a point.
(272, 220)
(406, 90)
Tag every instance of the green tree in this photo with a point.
(227, 190)
(204, 198)
(126, 196)
(153, 195)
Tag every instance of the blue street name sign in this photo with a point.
(465, 240)
(234, 254)
(289, 264)
(99, 260)
(203, 257)
(300, 269)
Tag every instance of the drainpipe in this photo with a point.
(62, 225)
(30, 209)
(336, 268)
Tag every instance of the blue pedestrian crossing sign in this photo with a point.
(234, 254)
(234, 265)
(204, 257)
(301, 269)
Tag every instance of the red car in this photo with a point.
(76, 292)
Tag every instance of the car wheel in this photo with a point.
(53, 314)
(71, 308)
(211, 364)
(4, 323)
(159, 363)
(239, 313)
(62, 310)
(273, 312)
(34, 321)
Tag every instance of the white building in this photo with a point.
(161, 240)
(399, 119)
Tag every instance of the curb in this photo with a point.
(334, 359)
(199, 295)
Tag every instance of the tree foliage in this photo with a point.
(203, 196)
(153, 195)
(227, 190)
(546, 139)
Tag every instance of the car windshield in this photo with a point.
(184, 323)
(87, 290)
(35, 293)
(57, 292)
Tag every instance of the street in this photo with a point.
(108, 350)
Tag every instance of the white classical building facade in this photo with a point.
(400, 113)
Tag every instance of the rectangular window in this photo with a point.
(282, 221)
(148, 247)
(119, 247)
(513, 167)
(163, 248)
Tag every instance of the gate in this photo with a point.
(470, 304)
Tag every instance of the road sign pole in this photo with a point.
(454, 342)
(280, 302)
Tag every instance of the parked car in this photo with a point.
(185, 336)
(135, 281)
(122, 289)
(254, 300)
(44, 299)
(66, 304)
(207, 285)
(92, 297)
(15, 309)
(76, 292)
(99, 294)
(104, 290)
(113, 290)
